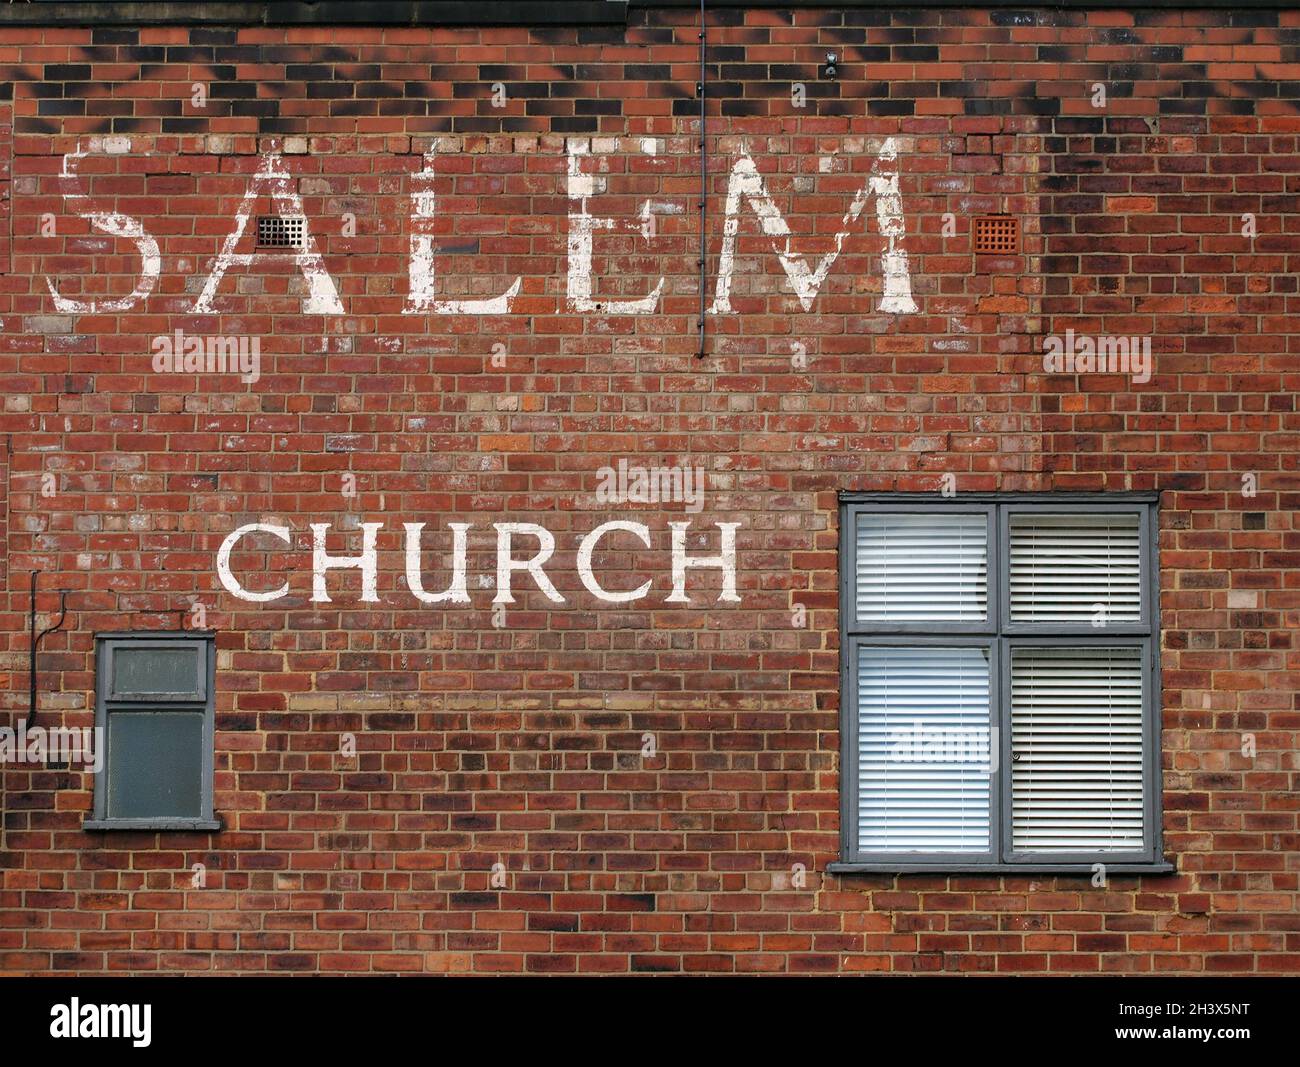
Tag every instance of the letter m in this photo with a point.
(746, 184)
(116, 1020)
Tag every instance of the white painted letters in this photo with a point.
(113, 224)
(747, 184)
(274, 181)
(420, 270)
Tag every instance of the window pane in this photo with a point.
(923, 750)
(1082, 569)
(922, 568)
(155, 764)
(1076, 744)
(151, 670)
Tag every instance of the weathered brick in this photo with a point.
(1166, 214)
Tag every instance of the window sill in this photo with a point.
(1161, 867)
(152, 825)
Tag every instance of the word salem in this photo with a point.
(457, 591)
(745, 188)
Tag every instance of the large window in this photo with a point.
(154, 717)
(1000, 683)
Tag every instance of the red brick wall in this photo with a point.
(6, 175)
(521, 745)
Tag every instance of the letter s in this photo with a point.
(114, 225)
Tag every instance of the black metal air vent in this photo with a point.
(279, 231)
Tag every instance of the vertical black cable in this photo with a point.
(704, 186)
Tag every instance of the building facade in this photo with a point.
(484, 552)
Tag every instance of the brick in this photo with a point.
(1165, 214)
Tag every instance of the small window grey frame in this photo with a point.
(1002, 641)
(107, 701)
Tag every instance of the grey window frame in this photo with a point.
(200, 698)
(1002, 638)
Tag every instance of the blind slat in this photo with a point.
(923, 750)
(921, 568)
(1070, 568)
(1076, 735)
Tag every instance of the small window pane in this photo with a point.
(155, 764)
(1076, 749)
(922, 567)
(923, 750)
(150, 670)
(1081, 569)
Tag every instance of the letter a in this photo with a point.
(273, 181)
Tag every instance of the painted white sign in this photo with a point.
(507, 565)
(745, 188)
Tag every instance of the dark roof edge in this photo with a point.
(473, 12)
(318, 13)
(1022, 5)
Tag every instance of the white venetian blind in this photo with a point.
(923, 750)
(1083, 569)
(922, 567)
(1076, 743)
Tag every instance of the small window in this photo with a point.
(1000, 684)
(154, 716)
